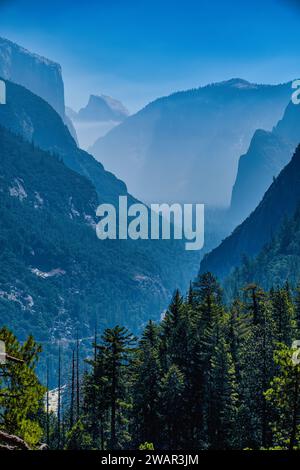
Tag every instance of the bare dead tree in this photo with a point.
(59, 400)
(77, 379)
(47, 404)
(72, 390)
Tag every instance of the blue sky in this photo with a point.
(137, 50)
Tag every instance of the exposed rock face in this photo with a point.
(103, 108)
(268, 153)
(38, 74)
(279, 202)
(96, 119)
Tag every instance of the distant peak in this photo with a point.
(112, 103)
(236, 83)
(103, 108)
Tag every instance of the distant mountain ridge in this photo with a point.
(185, 147)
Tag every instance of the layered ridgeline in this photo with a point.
(126, 281)
(279, 202)
(185, 147)
(268, 153)
(36, 73)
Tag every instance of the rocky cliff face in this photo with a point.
(37, 74)
(103, 108)
(96, 119)
(279, 202)
(268, 153)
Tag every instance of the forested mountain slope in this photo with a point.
(56, 276)
(33, 118)
(277, 263)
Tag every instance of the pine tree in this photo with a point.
(170, 329)
(146, 388)
(172, 386)
(223, 400)
(284, 398)
(96, 400)
(21, 394)
(256, 370)
(117, 348)
(207, 291)
(283, 314)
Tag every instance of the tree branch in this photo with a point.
(13, 441)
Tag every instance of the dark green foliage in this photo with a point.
(284, 397)
(106, 398)
(205, 378)
(47, 214)
(21, 393)
(276, 263)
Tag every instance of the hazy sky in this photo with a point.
(137, 50)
